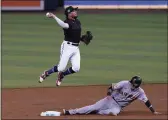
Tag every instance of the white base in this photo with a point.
(50, 113)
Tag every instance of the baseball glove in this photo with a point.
(86, 38)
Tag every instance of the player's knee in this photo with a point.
(76, 68)
(114, 112)
(61, 68)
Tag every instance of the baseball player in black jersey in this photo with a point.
(70, 46)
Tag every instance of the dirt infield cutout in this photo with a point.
(30, 102)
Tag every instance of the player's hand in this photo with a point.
(50, 15)
(157, 113)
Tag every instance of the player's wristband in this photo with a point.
(151, 109)
(149, 105)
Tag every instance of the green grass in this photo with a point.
(124, 45)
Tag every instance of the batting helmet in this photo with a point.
(136, 81)
(69, 10)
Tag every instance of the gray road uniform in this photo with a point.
(118, 96)
(121, 96)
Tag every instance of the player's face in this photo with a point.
(135, 86)
(73, 14)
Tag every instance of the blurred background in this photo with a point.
(130, 38)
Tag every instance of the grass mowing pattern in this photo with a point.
(123, 45)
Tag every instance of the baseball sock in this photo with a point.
(52, 70)
(68, 71)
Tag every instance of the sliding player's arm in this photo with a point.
(144, 98)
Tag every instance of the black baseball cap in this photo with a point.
(69, 10)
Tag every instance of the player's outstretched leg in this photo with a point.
(100, 105)
(46, 73)
(112, 111)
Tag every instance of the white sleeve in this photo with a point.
(118, 85)
(61, 23)
(142, 96)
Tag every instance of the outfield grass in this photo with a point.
(124, 45)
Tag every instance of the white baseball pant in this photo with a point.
(104, 106)
(69, 52)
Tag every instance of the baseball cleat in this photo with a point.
(66, 112)
(43, 76)
(59, 79)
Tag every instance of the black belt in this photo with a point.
(74, 44)
(115, 101)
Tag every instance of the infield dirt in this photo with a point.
(28, 103)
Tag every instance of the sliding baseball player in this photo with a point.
(118, 97)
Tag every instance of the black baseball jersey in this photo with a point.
(73, 33)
